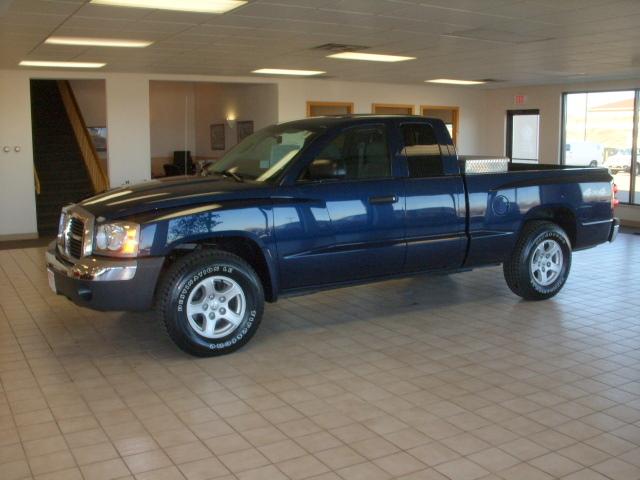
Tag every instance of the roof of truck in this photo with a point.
(336, 120)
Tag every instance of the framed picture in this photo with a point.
(99, 138)
(217, 136)
(245, 128)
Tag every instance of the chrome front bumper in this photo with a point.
(91, 268)
(104, 283)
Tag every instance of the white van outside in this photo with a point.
(584, 153)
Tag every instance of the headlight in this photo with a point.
(119, 239)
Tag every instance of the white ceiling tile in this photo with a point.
(515, 40)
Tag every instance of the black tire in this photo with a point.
(517, 269)
(183, 277)
(594, 163)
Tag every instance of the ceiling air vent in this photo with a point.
(340, 47)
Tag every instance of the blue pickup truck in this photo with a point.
(318, 203)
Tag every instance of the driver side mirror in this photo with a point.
(324, 169)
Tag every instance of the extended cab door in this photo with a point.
(435, 215)
(348, 219)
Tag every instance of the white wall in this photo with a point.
(17, 193)
(91, 97)
(128, 129)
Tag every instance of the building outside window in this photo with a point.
(599, 130)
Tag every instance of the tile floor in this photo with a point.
(423, 378)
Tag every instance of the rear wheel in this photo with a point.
(594, 163)
(211, 302)
(539, 265)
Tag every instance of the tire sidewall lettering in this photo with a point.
(194, 279)
(548, 235)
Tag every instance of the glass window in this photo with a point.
(422, 151)
(598, 131)
(358, 153)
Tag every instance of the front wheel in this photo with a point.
(539, 265)
(211, 302)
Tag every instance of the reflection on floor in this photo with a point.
(423, 378)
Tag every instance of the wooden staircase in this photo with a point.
(66, 164)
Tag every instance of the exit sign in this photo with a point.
(519, 99)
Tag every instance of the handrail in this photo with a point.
(36, 181)
(98, 176)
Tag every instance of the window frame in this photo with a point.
(634, 140)
(411, 108)
(384, 126)
(320, 103)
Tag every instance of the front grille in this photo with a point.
(75, 233)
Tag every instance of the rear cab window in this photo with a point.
(421, 150)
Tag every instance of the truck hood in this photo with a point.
(173, 192)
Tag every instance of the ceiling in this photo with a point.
(515, 41)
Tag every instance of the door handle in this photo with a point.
(383, 199)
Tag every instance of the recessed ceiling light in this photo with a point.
(98, 42)
(201, 6)
(285, 71)
(452, 81)
(39, 63)
(371, 57)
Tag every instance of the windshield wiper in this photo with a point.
(229, 173)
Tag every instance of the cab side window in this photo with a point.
(356, 154)
(422, 151)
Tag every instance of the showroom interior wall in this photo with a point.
(183, 111)
(128, 122)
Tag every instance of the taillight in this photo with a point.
(614, 201)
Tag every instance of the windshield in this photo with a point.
(264, 154)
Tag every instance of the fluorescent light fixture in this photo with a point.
(98, 42)
(201, 6)
(285, 71)
(39, 63)
(371, 57)
(452, 81)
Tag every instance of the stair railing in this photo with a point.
(36, 181)
(99, 178)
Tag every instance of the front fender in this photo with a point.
(247, 220)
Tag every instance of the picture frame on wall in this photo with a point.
(245, 128)
(99, 138)
(217, 136)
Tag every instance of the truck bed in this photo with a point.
(501, 196)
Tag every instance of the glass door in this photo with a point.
(523, 135)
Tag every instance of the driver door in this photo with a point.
(347, 222)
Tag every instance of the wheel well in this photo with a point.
(563, 217)
(243, 247)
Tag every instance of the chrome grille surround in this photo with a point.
(75, 233)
